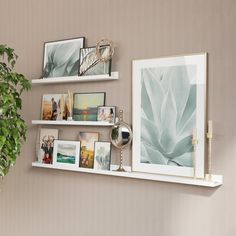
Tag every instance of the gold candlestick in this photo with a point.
(194, 142)
(209, 137)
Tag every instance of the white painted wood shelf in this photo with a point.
(66, 122)
(216, 180)
(75, 79)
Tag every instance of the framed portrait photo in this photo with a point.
(66, 153)
(87, 140)
(106, 114)
(46, 145)
(169, 102)
(90, 64)
(61, 58)
(54, 107)
(85, 105)
(102, 156)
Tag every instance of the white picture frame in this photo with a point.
(66, 153)
(165, 93)
(102, 155)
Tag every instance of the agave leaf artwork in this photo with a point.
(12, 126)
(61, 58)
(102, 155)
(169, 109)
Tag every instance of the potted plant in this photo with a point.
(12, 126)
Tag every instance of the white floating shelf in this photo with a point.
(217, 180)
(74, 79)
(66, 122)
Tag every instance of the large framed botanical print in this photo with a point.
(169, 101)
(61, 58)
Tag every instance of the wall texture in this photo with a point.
(37, 202)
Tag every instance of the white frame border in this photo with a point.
(201, 61)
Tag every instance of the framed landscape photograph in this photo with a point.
(85, 105)
(107, 114)
(102, 156)
(66, 152)
(90, 64)
(54, 107)
(46, 144)
(169, 101)
(61, 58)
(87, 148)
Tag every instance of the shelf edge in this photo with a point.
(217, 180)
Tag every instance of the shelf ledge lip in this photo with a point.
(72, 79)
(66, 122)
(216, 181)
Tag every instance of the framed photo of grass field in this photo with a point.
(87, 140)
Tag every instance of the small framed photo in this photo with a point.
(90, 64)
(46, 142)
(61, 58)
(54, 107)
(87, 149)
(85, 105)
(107, 114)
(102, 155)
(66, 152)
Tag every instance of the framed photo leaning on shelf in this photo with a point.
(102, 155)
(46, 144)
(61, 58)
(107, 114)
(85, 105)
(66, 153)
(54, 107)
(169, 102)
(87, 140)
(91, 65)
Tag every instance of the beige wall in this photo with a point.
(36, 202)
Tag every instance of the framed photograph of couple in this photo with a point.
(169, 101)
(54, 107)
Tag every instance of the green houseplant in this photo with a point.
(12, 126)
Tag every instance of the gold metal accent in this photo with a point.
(104, 42)
(209, 137)
(194, 143)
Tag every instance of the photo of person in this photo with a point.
(54, 107)
(106, 114)
(47, 137)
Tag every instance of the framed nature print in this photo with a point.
(90, 64)
(46, 142)
(107, 114)
(169, 101)
(87, 148)
(66, 153)
(54, 107)
(85, 106)
(102, 156)
(61, 58)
